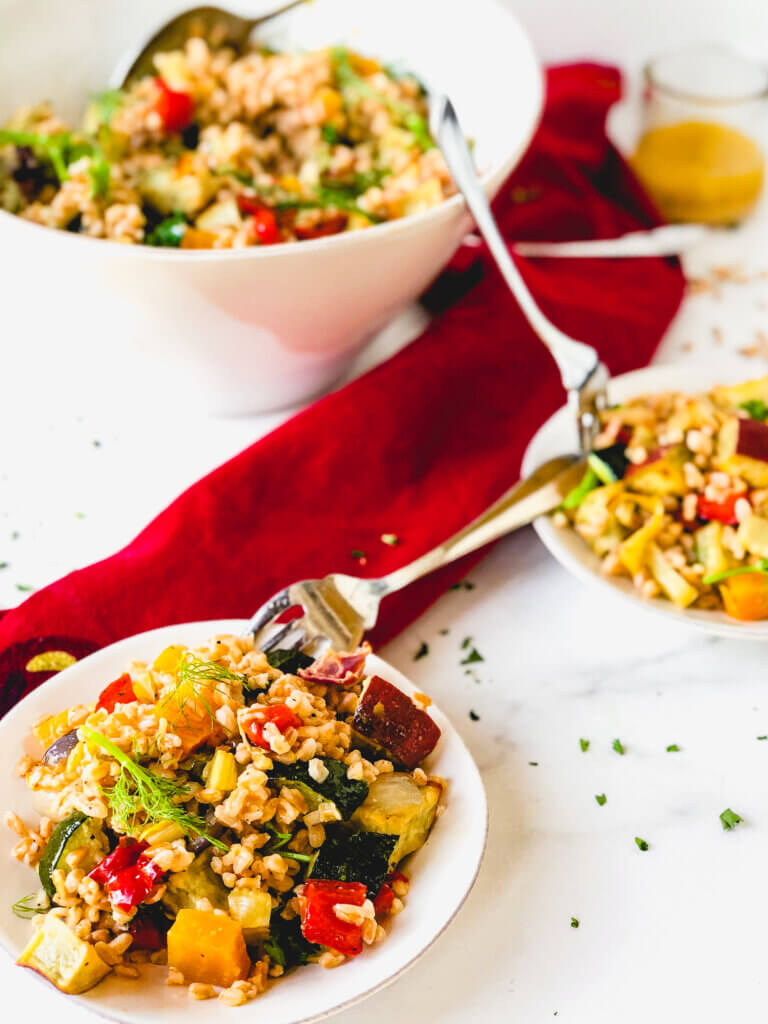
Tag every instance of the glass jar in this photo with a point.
(700, 155)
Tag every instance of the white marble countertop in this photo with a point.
(674, 933)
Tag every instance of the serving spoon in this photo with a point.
(217, 25)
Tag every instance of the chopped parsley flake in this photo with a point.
(601, 798)
(755, 408)
(641, 844)
(618, 746)
(574, 922)
(474, 716)
(534, 764)
(730, 819)
(462, 585)
(444, 632)
(356, 553)
(473, 656)
(390, 538)
(422, 652)
(25, 588)
(584, 744)
(759, 737)
(4, 565)
(673, 748)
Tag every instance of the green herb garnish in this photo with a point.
(584, 744)
(29, 906)
(61, 149)
(618, 746)
(589, 482)
(756, 408)
(329, 133)
(601, 798)
(104, 106)
(718, 577)
(389, 538)
(673, 748)
(422, 652)
(25, 588)
(730, 819)
(353, 84)
(574, 922)
(473, 656)
(641, 844)
(169, 232)
(139, 793)
(474, 716)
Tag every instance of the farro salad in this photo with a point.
(225, 812)
(675, 497)
(218, 151)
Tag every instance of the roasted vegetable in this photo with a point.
(709, 548)
(208, 948)
(278, 715)
(661, 473)
(198, 881)
(60, 749)
(745, 596)
(390, 718)
(396, 806)
(222, 772)
(177, 188)
(252, 909)
(360, 856)
(74, 831)
(319, 922)
(51, 728)
(286, 945)
(723, 511)
(576, 496)
(128, 875)
(633, 551)
(743, 450)
(753, 535)
(610, 464)
(289, 661)
(188, 709)
(677, 589)
(118, 692)
(346, 794)
(65, 960)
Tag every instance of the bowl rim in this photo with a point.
(491, 179)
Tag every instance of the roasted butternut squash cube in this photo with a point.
(189, 710)
(65, 960)
(51, 728)
(208, 948)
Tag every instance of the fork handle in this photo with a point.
(519, 506)
(575, 360)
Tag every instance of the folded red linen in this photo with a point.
(415, 448)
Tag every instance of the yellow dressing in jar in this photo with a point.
(700, 171)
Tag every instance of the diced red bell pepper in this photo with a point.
(384, 900)
(118, 692)
(125, 855)
(175, 108)
(724, 511)
(320, 924)
(146, 933)
(131, 886)
(390, 718)
(264, 220)
(280, 715)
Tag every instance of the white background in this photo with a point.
(674, 934)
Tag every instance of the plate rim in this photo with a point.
(682, 376)
(211, 627)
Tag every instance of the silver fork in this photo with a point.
(584, 377)
(338, 609)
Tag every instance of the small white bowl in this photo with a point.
(242, 331)
(557, 436)
(442, 872)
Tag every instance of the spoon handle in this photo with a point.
(669, 240)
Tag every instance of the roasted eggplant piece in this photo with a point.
(354, 856)
(60, 749)
(609, 464)
(396, 806)
(346, 794)
(286, 945)
(196, 882)
(390, 719)
(74, 831)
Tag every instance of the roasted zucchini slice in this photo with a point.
(396, 806)
(346, 794)
(74, 831)
(196, 882)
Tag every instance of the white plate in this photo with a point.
(556, 437)
(443, 872)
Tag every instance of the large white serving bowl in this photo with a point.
(557, 436)
(442, 872)
(242, 331)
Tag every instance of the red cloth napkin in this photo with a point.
(416, 448)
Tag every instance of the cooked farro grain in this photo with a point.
(679, 502)
(219, 151)
(215, 788)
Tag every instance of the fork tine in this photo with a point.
(269, 611)
(292, 634)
